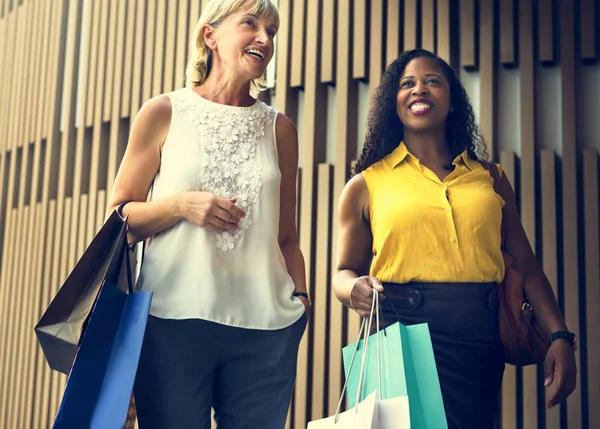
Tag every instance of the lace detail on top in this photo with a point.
(229, 168)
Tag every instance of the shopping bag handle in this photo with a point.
(364, 332)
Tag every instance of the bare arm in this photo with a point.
(136, 174)
(560, 361)
(287, 149)
(352, 284)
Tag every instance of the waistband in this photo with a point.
(414, 293)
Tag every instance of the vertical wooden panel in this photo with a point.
(509, 384)
(393, 35)
(468, 58)
(322, 292)
(487, 110)
(444, 35)
(550, 258)
(94, 63)
(345, 146)
(376, 44)
(428, 25)
(570, 194)
(130, 33)
(545, 30)
(115, 109)
(184, 33)
(285, 98)
(148, 60)
(159, 48)
(313, 153)
(591, 204)
(527, 174)
(329, 41)
(410, 25)
(361, 54)
(170, 46)
(588, 31)
(507, 32)
(139, 57)
(299, 42)
(111, 59)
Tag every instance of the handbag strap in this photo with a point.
(493, 170)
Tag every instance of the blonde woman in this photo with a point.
(223, 261)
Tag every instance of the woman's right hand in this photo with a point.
(361, 295)
(209, 211)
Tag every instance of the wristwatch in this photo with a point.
(564, 335)
(304, 295)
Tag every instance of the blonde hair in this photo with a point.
(200, 60)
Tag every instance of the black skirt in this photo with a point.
(463, 321)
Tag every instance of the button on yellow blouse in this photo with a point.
(428, 230)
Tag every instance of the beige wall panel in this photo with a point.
(549, 239)
(35, 296)
(195, 10)
(115, 110)
(591, 201)
(545, 30)
(322, 293)
(138, 58)
(98, 136)
(570, 194)
(360, 43)
(487, 75)
(329, 41)
(128, 57)
(299, 43)
(410, 25)
(345, 146)
(285, 98)
(507, 31)
(444, 38)
(428, 25)
(376, 44)
(150, 38)
(527, 174)
(509, 384)
(95, 71)
(588, 31)
(183, 34)
(393, 32)
(171, 46)
(467, 34)
(159, 48)
(114, 40)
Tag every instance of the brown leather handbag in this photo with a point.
(524, 340)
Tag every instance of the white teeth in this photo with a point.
(255, 52)
(419, 107)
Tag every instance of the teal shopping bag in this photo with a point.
(408, 368)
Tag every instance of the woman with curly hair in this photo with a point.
(420, 223)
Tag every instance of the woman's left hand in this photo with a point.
(306, 304)
(560, 369)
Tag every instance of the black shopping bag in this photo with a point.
(60, 329)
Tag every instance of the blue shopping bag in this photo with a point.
(101, 381)
(408, 368)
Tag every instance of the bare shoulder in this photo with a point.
(285, 129)
(355, 196)
(154, 119)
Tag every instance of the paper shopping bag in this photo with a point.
(98, 391)
(60, 328)
(408, 369)
(363, 416)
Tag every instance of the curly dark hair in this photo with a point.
(385, 131)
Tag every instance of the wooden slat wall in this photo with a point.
(61, 141)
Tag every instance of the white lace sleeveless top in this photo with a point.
(236, 278)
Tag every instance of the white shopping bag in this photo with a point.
(363, 416)
(371, 413)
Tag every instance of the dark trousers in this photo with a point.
(463, 321)
(189, 366)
